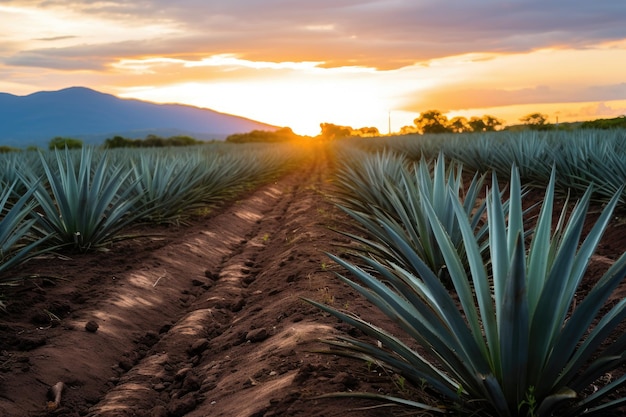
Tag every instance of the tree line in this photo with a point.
(434, 121)
(428, 122)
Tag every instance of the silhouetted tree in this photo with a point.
(408, 130)
(536, 121)
(432, 121)
(182, 140)
(492, 123)
(459, 124)
(62, 143)
(331, 131)
(366, 132)
(7, 149)
(283, 134)
(477, 124)
(486, 123)
(120, 142)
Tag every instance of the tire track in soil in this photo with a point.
(193, 363)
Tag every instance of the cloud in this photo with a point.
(80, 57)
(384, 34)
(601, 110)
(56, 38)
(454, 98)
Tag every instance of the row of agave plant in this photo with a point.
(580, 158)
(485, 293)
(82, 200)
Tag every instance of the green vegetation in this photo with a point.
(487, 294)
(536, 121)
(434, 121)
(331, 131)
(85, 201)
(284, 134)
(151, 141)
(17, 238)
(580, 157)
(81, 200)
(172, 185)
(509, 338)
(605, 124)
(387, 198)
(62, 143)
(7, 149)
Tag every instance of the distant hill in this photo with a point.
(91, 116)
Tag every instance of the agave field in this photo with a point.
(486, 288)
(85, 200)
(475, 274)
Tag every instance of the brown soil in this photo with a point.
(198, 320)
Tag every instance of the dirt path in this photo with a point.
(201, 320)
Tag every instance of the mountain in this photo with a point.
(91, 116)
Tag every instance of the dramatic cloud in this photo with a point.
(458, 99)
(382, 34)
(368, 57)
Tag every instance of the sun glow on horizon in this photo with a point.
(298, 95)
(301, 95)
(301, 107)
(372, 64)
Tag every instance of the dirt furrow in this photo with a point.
(206, 319)
(201, 320)
(163, 376)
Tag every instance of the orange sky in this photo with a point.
(298, 63)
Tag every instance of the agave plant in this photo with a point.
(169, 186)
(84, 203)
(510, 339)
(17, 242)
(362, 176)
(591, 157)
(384, 195)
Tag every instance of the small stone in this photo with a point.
(30, 343)
(257, 335)
(158, 411)
(91, 326)
(165, 328)
(180, 407)
(198, 346)
(181, 374)
(191, 383)
(345, 379)
(238, 304)
(125, 365)
(210, 275)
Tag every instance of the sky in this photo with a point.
(299, 63)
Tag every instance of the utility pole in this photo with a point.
(389, 122)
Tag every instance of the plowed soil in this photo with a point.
(201, 319)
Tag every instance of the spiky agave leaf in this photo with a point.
(83, 203)
(515, 329)
(17, 242)
(384, 190)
